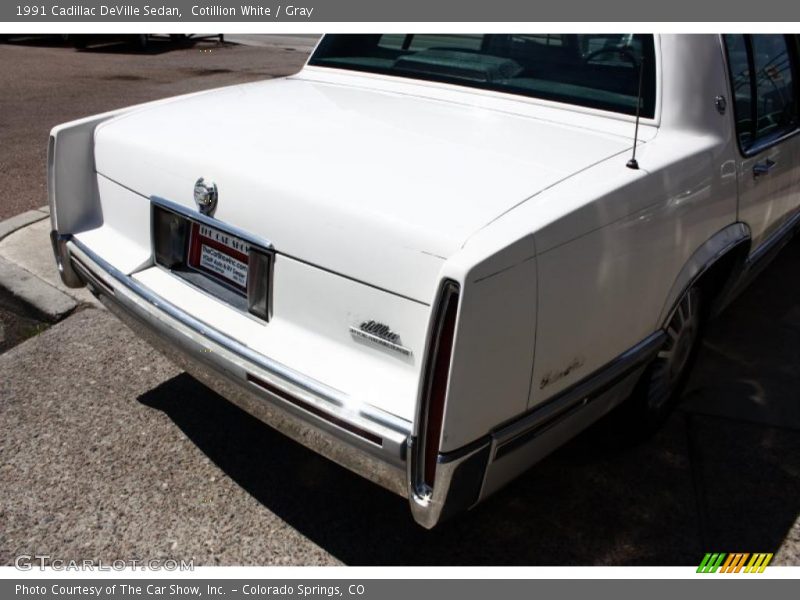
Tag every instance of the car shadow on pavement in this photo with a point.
(723, 475)
(41, 41)
(120, 44)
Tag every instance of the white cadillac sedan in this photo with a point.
(436, 258)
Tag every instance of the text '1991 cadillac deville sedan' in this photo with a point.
(436, 258)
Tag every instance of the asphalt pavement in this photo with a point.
(108, 451)
(44, 82)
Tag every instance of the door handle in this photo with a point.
(763, 168)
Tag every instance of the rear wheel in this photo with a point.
(665, 377)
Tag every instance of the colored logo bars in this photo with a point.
(734, 563)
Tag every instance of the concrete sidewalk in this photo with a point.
(298, 42)
(28, 270)
(723, 475)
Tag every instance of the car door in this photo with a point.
(763, 73)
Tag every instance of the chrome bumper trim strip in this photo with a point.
(458, 484)
(68, 275)
(226, 366)
(329, 395)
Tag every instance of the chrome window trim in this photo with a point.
(768, 142)
(654, 120)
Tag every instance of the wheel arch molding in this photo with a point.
(714, 265)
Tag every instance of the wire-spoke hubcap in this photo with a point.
(674, 356)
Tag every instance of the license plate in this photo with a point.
(220, 255)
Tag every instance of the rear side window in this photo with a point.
(763, 74)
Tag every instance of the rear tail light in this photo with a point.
(51, 173)
(437, 371)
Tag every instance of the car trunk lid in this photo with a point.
(375, 185)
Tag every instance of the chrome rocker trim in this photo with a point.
(462, 476)
(371, 444)
(514, 436)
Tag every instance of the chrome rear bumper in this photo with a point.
(365, 440)
(373, 444)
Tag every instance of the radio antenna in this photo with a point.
(633, 163)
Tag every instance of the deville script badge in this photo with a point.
(378, 333)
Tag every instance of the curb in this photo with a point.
(51, 302)
(21, 220)
(25, 287)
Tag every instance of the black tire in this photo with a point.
(664, 379)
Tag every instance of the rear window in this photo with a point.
(593, 70)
